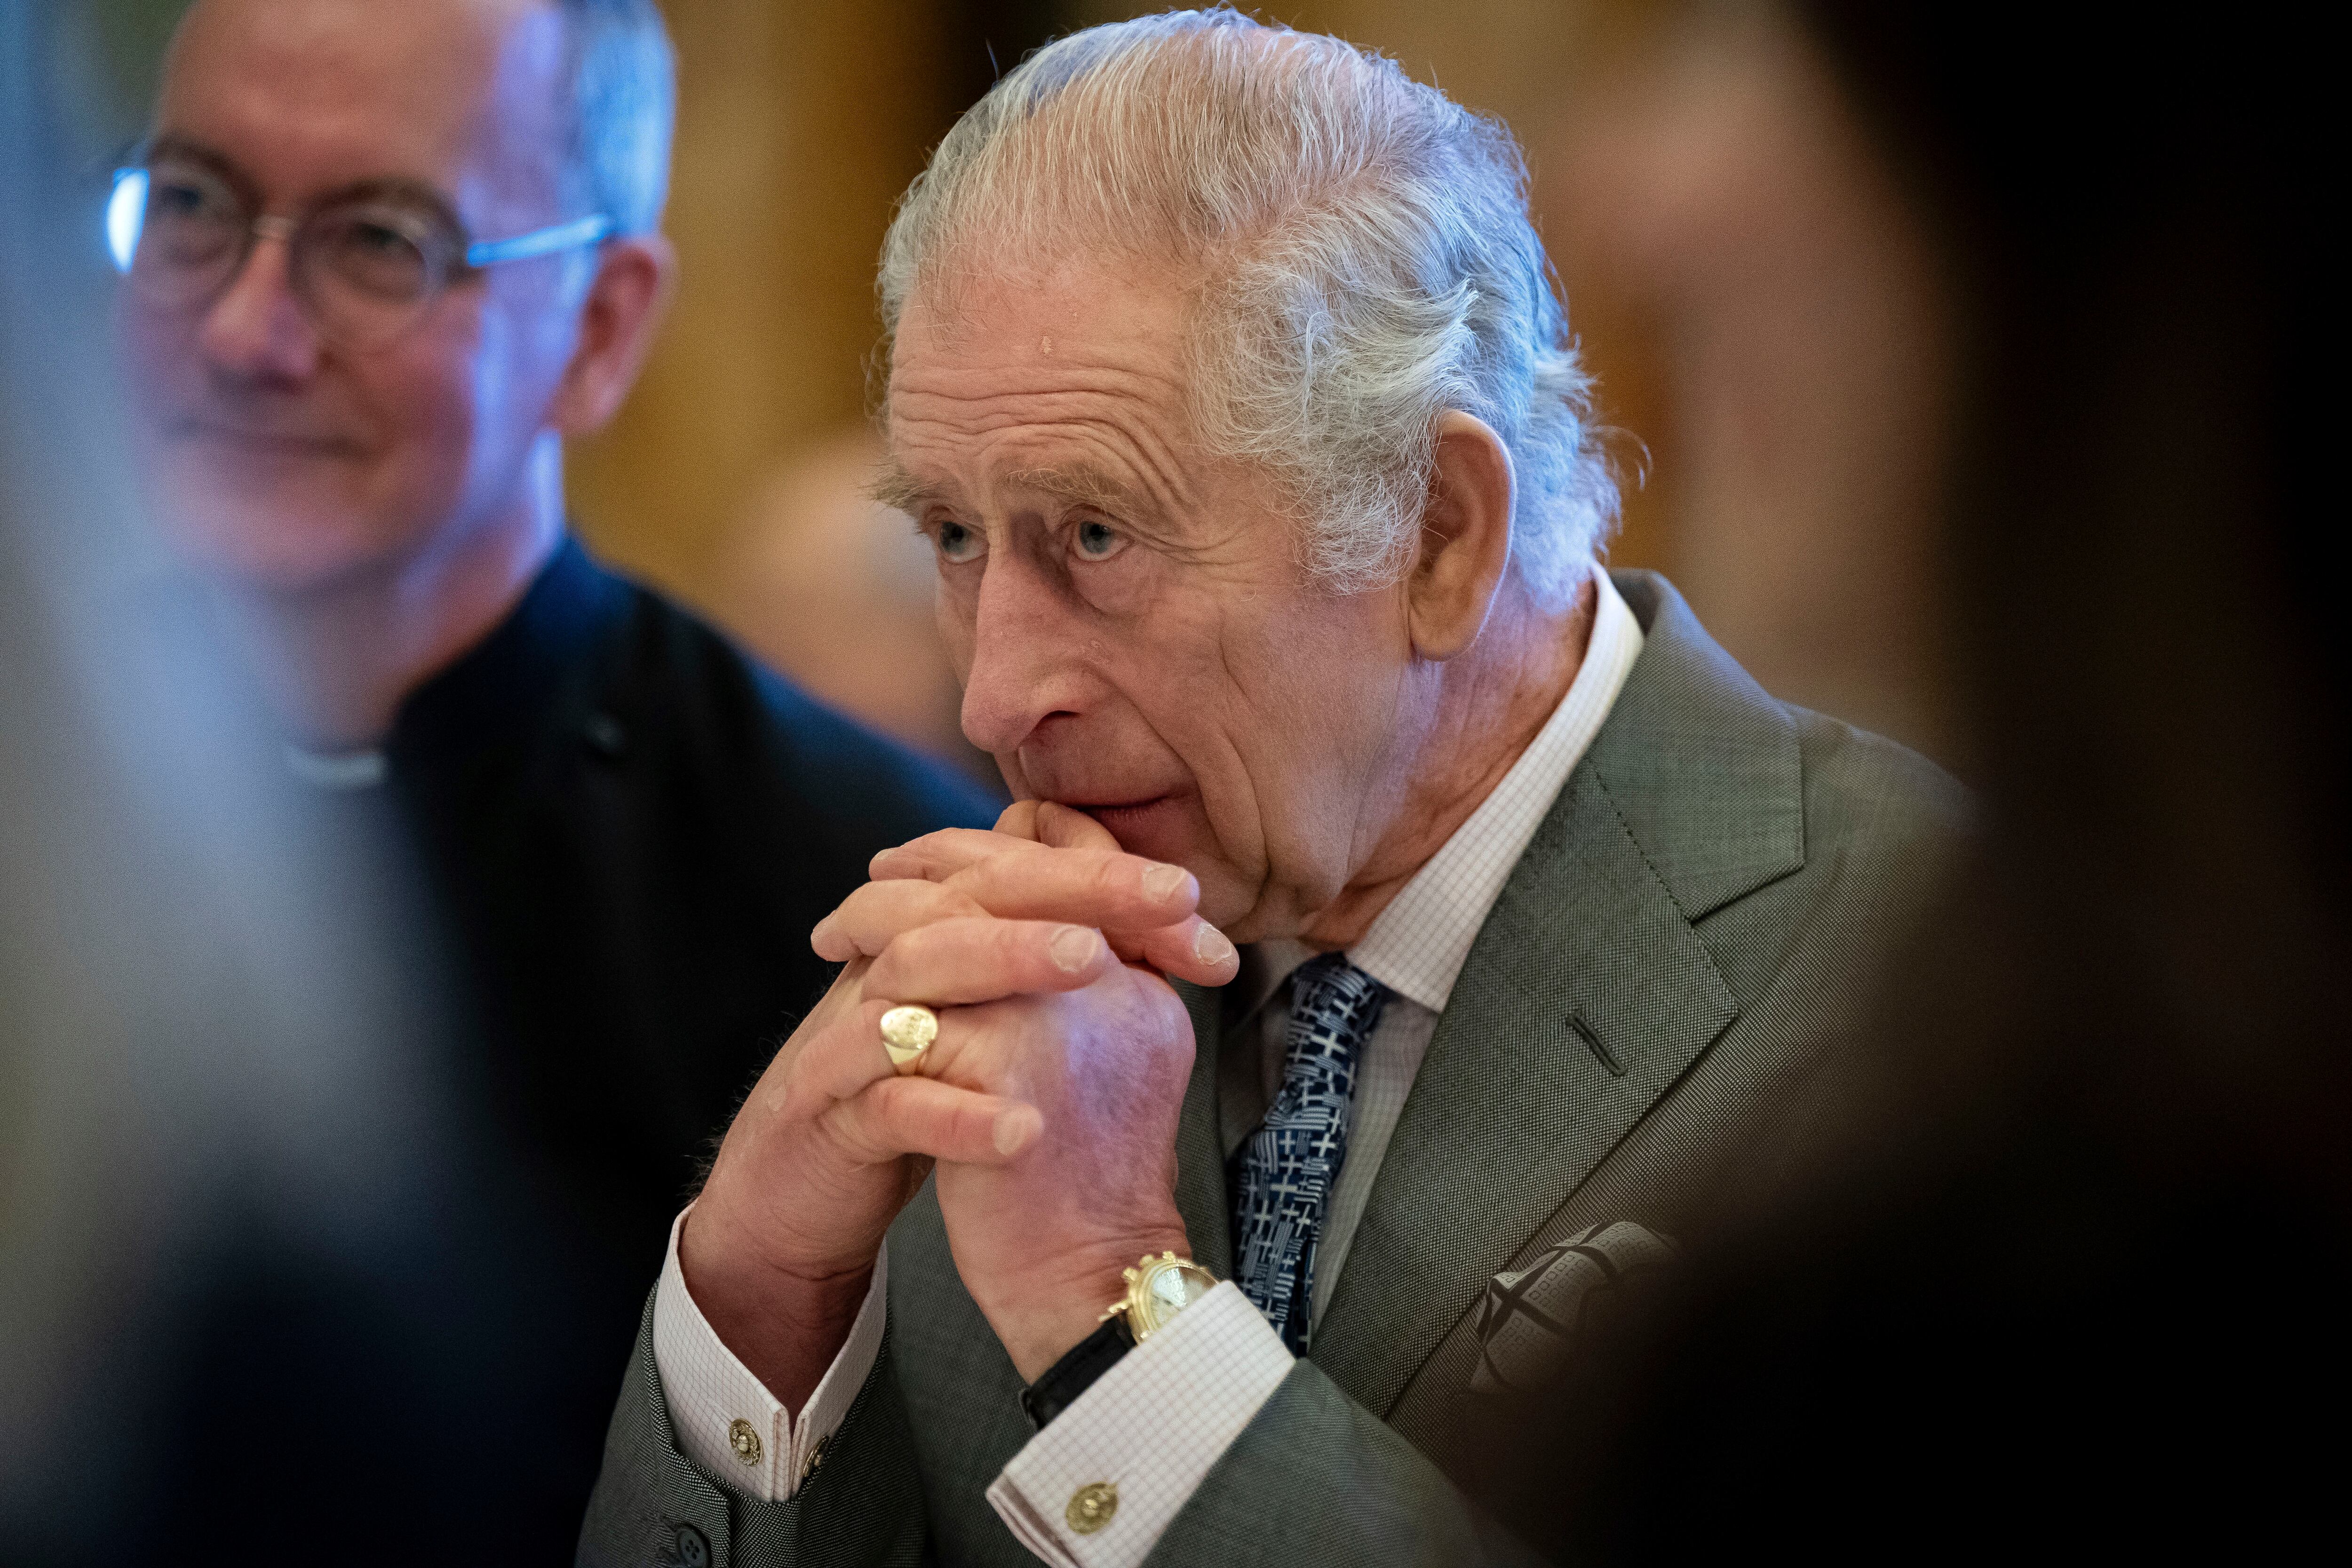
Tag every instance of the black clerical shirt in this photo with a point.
(627, 830)
(632, 829)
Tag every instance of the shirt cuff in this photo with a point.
(725, 1419)
(1100, 1486)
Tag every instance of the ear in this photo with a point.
(1465, 538)
(617, 322)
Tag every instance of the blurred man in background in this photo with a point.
(387, 260)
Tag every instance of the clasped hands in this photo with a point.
(1048, 1104)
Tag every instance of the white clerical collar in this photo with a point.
(336, 770)
(1417, 946)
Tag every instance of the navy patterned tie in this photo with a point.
(1283, 1176)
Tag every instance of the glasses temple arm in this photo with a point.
(539, 242)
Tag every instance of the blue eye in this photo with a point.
(1098, 541)
(955, 543)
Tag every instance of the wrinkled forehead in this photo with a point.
(1006, 368)
(310, 95)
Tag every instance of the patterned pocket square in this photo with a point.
(1532, 1317)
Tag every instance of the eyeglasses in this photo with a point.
(364, 267)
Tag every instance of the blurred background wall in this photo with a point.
(1759, 308)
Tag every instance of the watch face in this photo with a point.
(1169, 1288)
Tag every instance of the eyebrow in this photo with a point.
(1090, 485)
(387, 187)
(893, 486)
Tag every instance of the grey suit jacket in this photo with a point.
(1666, 973)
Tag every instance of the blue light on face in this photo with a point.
(126, 212)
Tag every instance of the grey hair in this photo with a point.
(621, 100)
(1365, 257)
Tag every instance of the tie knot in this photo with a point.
(1334, 993)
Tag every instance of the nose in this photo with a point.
(256, 329)
(1027, 655)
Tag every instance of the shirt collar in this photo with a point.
(1417, 945)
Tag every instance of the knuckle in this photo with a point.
(873, 901)
(915, 945)
(1016, 939)
(983, 882)
(1159, 1007)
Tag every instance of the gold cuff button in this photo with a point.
(1091, 1506)
(745, 1441)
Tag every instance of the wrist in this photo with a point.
(1054, 1309)
(1062, 1384)
(784, 1325)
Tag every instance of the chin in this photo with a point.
(265, 539)
(285, 560)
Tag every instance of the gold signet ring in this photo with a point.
(907, 1032)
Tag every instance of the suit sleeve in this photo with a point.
(653, 1508)
(1316, 1479)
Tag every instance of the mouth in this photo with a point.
(1101, 809)
(1131, 822)
(262, 443)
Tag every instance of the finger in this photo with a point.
(958, 961)
(923, 1116)
(1097, 887)
(1019, 820)
(943, 853)
(839, 1003)
(869, 918)
(1189, 950)
(936, 857)
(842, 1053)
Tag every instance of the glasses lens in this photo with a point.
(190, 236)
(370, 266)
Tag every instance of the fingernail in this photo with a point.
(1074, 947)
(1210, 946)
(1165, 882)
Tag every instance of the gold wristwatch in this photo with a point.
(1157, 1289)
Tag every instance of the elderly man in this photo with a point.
(1227, 381)
(381, 262)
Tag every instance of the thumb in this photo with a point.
(1019, 820)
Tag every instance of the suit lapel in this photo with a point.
(1200, 1150)
(1515, 1106)
(1586, 997)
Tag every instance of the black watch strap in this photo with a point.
(1075, 1372)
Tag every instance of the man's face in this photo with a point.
(281, 459)
(1136, 635)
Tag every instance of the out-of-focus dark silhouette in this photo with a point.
(482, 878)
(228, 1121)
(2073, 1278)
